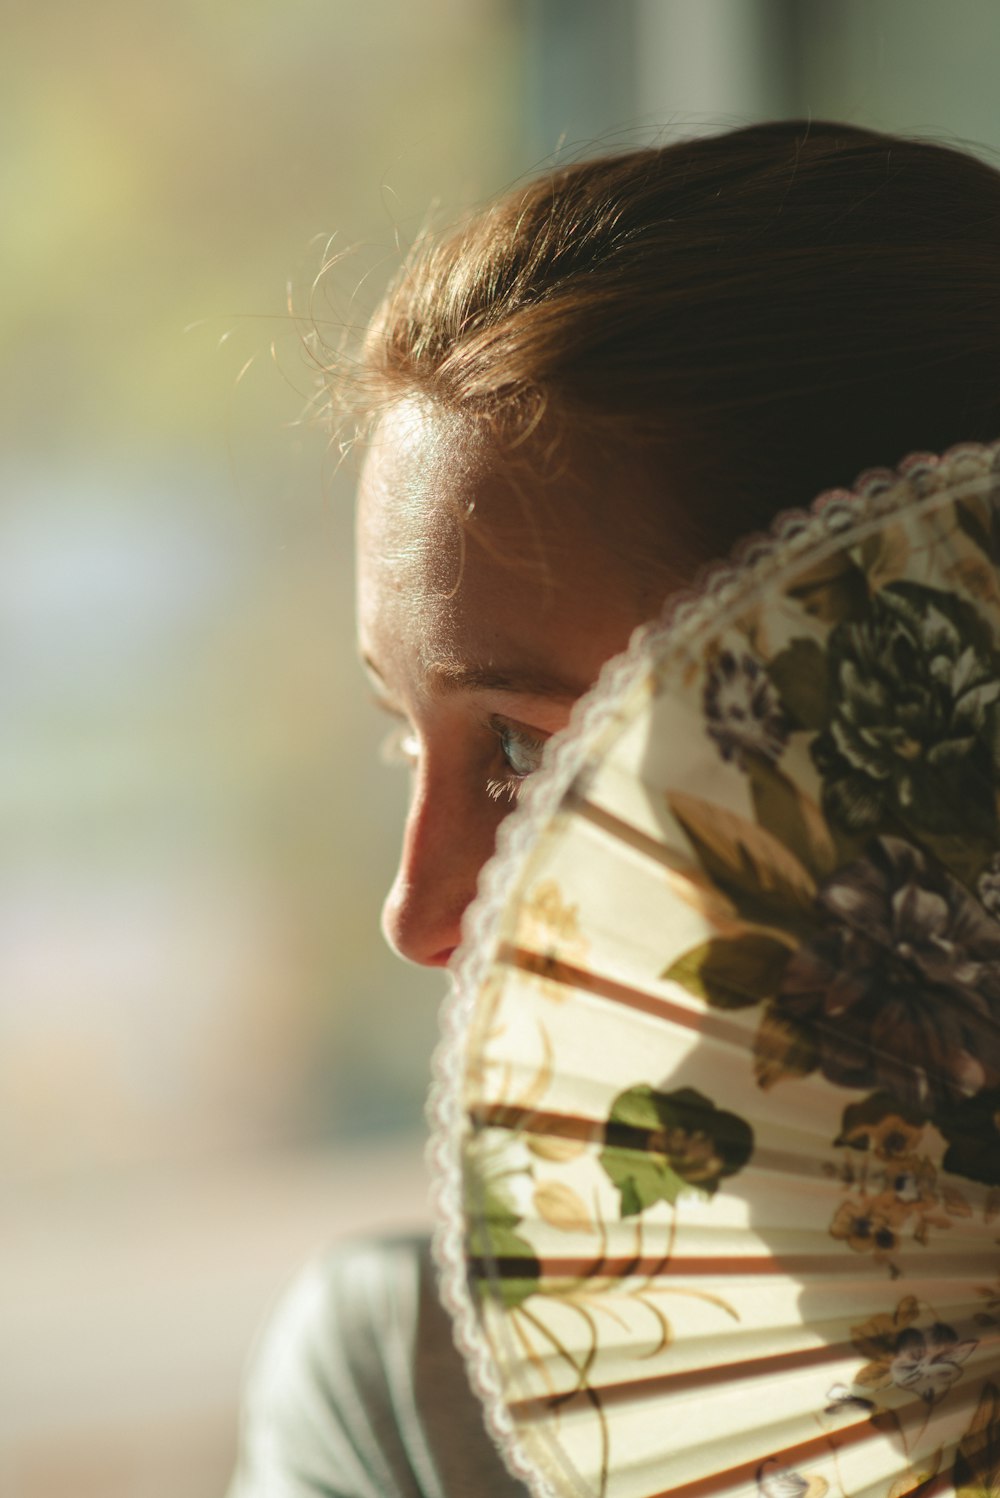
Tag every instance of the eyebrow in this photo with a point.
(519, 682)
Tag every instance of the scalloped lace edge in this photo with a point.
(754, 561)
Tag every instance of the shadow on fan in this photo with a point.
(730, 1202)
(836, 819)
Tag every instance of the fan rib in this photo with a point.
(722, 1484)
(803, 1266)
(555, 970)
(717, 1484)
(690, 1380)
(709, 898)
(700, 1021)
(738, 1477)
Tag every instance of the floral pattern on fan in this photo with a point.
(659, 1144)
(912, 1354)
(777, 1481)
(895, 1188)
(816, 814)
(656, 1147)
(913, 709)
(906, 1357)
(868, 927)
(869, 933)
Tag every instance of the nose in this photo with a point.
(448, 837)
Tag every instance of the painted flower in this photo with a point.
(743, 711)
(990, 1315)
(901, 991)
(922, 1361)
(876, 1340)
(912, 1186)
(867, 1226)
(915, 729)
(927, 1363)
(842, 1400)
(776, 1481)
(909, 1195)
(880, 1125)
(548, 925)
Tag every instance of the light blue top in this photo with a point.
(357, 1391)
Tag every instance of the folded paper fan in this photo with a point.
(718, 1109)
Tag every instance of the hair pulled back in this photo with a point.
(758, 315)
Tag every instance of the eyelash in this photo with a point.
(399, 747)
(510, 739)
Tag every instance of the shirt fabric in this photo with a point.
(356, 1389)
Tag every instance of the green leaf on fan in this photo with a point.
(493, 1242)
(631, 1200)
(800, 674)
(732, 972)
(660, 1144)
(642, 1178)
(766, 881)
(641, 1184)
(791, 815)
(783, 1048)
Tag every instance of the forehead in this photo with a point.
(461, 562)
(418, 487)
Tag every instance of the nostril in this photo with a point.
(442, 958)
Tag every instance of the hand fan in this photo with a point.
(718, 1108)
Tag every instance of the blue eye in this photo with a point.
(521, 751)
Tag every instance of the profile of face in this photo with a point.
(486, 607)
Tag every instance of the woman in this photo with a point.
(579, 398)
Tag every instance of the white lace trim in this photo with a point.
(795, 537)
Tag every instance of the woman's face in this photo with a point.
(485, 610)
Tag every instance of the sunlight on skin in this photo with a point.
(479, 629)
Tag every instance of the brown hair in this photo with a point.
(760, 314)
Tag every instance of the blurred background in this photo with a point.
(209, 1067)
